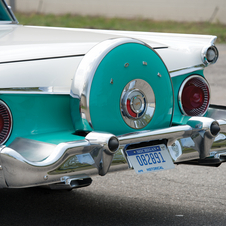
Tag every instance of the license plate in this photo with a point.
(150, 159)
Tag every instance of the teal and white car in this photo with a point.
(80, 102)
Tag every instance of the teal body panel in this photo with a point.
(105, 97)
(47, 118)
(41, 117)
(79, 123)
(179, 117)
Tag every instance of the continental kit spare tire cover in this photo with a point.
(123, 86)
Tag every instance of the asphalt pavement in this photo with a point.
(186, 195)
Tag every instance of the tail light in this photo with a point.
(194, 96)
(5, 122)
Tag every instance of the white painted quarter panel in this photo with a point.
(19, 43)
(183, 52)
(22, 43)
(57, 74)
(168, 39)
(177, 60)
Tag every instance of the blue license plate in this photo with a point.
(150, 159)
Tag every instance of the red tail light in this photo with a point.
(194, 96)
(5, 122)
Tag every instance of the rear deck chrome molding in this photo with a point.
(93, 155)
(44, 58)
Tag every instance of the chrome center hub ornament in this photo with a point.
(134, 104)
(137, 103)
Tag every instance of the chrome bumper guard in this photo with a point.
(28, 163)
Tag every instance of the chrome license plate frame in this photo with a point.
(150, 159)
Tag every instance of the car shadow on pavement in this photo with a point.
(36, 206)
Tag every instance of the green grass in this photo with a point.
(136, 24)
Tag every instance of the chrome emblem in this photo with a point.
(137, 103)
(134, 105)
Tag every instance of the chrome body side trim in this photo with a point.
(188, 70)
(66, 90)
(36, 90)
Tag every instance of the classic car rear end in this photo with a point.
(79, 102)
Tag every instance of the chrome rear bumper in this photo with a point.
(28, 163)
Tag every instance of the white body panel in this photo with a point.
(52, 75)
(36, 44)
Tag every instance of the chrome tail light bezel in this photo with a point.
(204, 55)
(7, 122)
(201, 110)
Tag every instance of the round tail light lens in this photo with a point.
(5, 122)
(194, 96)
